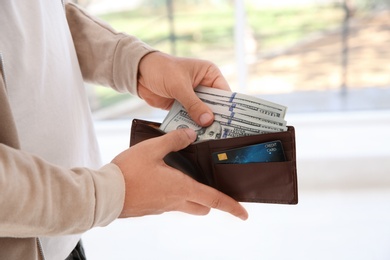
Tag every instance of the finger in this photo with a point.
(213, 198)
(214, 78)
(154, 100)
(194, 209)
(209, 75)
(198, 111)
(174, 141)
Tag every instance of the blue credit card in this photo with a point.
(264, 152)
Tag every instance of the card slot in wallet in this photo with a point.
(287, 138)
(271, 182)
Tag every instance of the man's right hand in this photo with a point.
(153, 187)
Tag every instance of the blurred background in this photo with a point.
(329, 62)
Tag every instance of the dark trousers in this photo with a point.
(77, 253)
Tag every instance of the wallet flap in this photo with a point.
(142, 130)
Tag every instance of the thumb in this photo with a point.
(198, 111)
(175, 141)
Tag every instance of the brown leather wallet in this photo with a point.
(269, 182)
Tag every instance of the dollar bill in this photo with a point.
(242, 119)
(243, 107)
(242, 100)
(233, 116)
(220, 108)
(217, 130)
(222, 127)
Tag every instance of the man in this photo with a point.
(52, 187)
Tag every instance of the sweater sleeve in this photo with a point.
(105, 56)
(42, 199)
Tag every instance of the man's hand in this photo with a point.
(164, 78)
(152, 187)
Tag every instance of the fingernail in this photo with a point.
(244, 217)
(205, 118)
(191, 133)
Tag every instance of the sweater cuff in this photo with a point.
(110, 194)
(125, 73)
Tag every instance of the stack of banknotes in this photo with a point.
(235, 114)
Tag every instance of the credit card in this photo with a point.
(264, 152)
